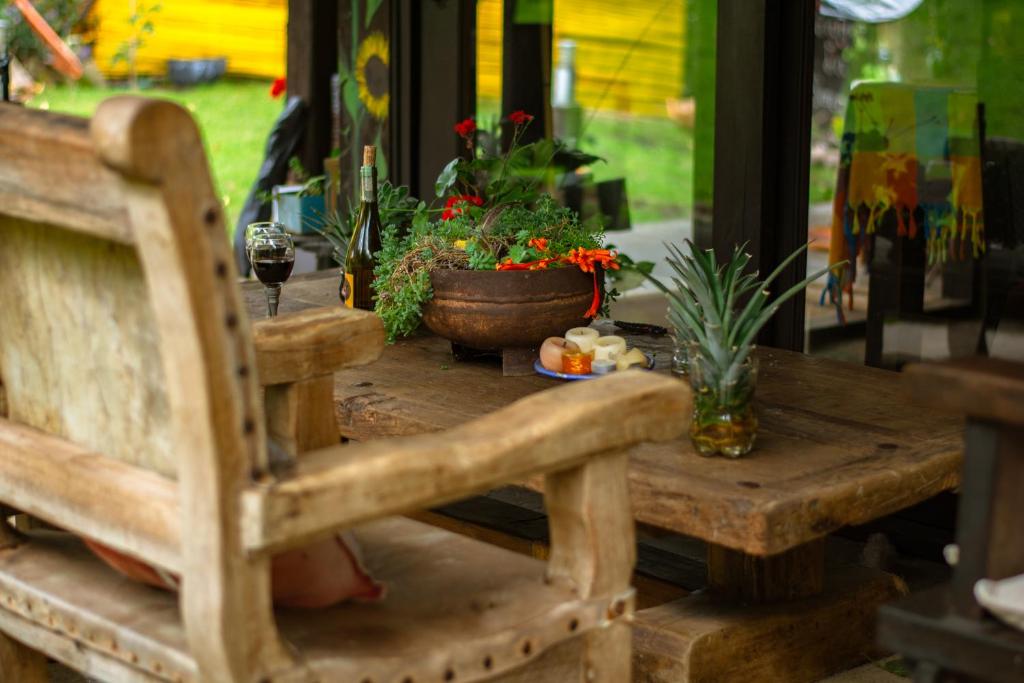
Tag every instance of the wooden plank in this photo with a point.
(79, 353)
(55, 480)
(738, 577)
(88, 198)
(205, 337)
(116, 630)
(315, 342)
(555, 430)
(300, 416)
(980, 387)
(20, 663)
(699, 638)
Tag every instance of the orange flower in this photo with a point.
(538, 243)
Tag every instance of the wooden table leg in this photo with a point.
(776, 618)
(20, 663)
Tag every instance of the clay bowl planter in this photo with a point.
(510, 312)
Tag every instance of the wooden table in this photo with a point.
(839, 444)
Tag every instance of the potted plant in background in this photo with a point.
(494, 264)
(716, 312)
(300, 207)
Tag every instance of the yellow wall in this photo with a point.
(604, 31)
(250, 33)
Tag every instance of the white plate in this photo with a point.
(1003, 598)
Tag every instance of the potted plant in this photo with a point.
(716, 312)
(495, 264)
(300, 207)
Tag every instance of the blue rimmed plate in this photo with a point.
(541, 370)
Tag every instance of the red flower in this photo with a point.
(451, 205)
(278, 87)
(465, 128)
(520, 117)
(538, 243)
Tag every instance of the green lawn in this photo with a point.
(655, 155)
(234, 116)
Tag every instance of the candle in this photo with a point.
(602, 366)
(634, 357)
(609, 348)
(576, 363)
(584, 337)
(551, 353)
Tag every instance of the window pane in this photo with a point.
(632, 83)
(917, 167)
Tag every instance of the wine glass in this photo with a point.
(261, 228)
(272, 255)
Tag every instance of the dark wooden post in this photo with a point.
(433, 88)
(526, 71)
(765, 59)
(312, 58)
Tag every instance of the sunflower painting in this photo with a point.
(372, 74)
(364, 81)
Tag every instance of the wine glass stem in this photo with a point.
(273, 296)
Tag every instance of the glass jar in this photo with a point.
(680, 356)
(724, 415)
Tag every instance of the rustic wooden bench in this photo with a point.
(840, 444)
(135, 402)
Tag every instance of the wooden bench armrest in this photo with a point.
(979, 387)
(315, 342)
(547, 432)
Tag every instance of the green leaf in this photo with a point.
(382, 160)
(350, 95)
(371, 10)
(447, 177)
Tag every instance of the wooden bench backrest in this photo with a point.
(122, 330)
(79, 348)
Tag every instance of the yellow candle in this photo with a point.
(584, 337)
(576, 363)
(609, 348)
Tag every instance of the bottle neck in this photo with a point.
(368, 184)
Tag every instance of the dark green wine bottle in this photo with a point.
(360, 259)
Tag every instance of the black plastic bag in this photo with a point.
(281, 145)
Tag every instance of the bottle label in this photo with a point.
(350, 291)
(369, 193)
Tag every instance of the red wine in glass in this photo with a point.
(272, 257)
(273, 270)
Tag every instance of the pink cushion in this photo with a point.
(320, 574)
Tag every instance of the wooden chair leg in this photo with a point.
(608, 654)
(20, 664)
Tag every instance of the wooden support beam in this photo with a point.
(762, 143)
(57, 481)
(20, 663)
(796, 573)
(526, 71)
(312, 59)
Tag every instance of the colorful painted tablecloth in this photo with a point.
(910, 154)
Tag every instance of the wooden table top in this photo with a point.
(838, 444)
